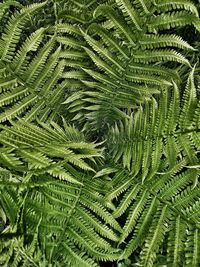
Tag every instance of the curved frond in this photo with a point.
(166, 133)
(46, 149)
(160, 194)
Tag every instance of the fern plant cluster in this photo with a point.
(99, 133)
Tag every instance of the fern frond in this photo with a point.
(151, 42)
(118, 22)
(15, 251)
(153, 70)
(171, 20)
(159, 55)
(161, 196)
(152, 216)
(192, 248)
(122, 59)
(99, 133)
(7, 83)
(101, 64)
(5, 5)
(42, 147)
(130, 14)
(144, 6)
(74, 207)
(162, 134)
(14, 29)
(103, 52)
(155, 237)
(31, 44)
(167, 5)
(13, 96)
(111, 42)
(18, 109)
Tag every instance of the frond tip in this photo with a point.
(47, 148)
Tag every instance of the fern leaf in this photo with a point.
(102, 51)
(189, 101)
(38, 63)
(151, 42)
(71, 42)
(192, 248)
(7, 83)
(31, 44)
(160, 55)
(168, 21)
(141, 227)
(130, 13)
(176, 245)
(18, 108)
(118, 22)
(13, 96)
(4, 6)
(154, 238)
(167, 5)
(111, 42)
(14, 29)
(101, 64)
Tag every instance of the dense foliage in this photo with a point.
(99, 133)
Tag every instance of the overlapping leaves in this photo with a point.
(160, 195)
(70, 211)
(132, 53)
(119, 66)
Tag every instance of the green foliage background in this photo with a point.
(99, 133)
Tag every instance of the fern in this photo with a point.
(39, 154)
(124, 38)
(99, 133)
(152, 216)
(71, 215)
(167, 131)
(27, 66)
(163, 187)
(32, 148)
(15, 251)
